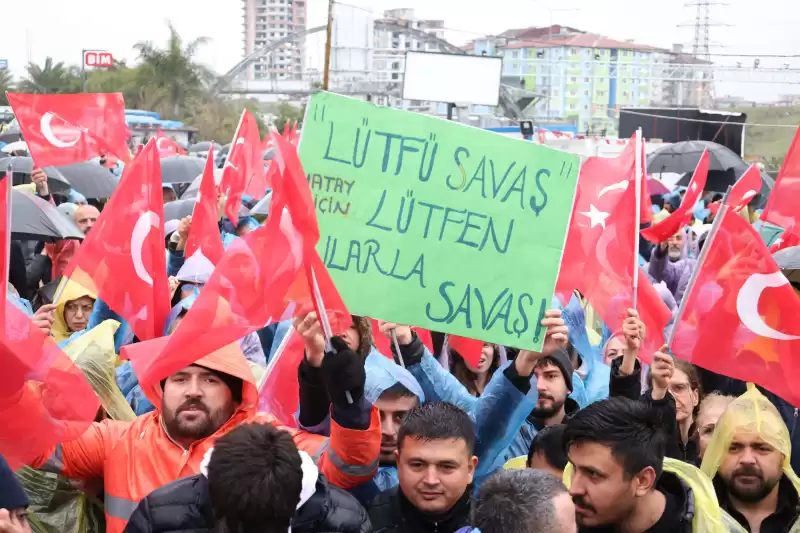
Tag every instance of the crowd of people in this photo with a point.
(581, 436)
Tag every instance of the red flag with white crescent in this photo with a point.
(122, 259)
(739, 317)
(204, 232)
(69, 128)
(783, 209)
(167, 146)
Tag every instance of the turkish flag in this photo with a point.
(122, 259)
(469, 349)
(44, 397)
(783, 209)
(244, 167)
(745, 189)
(280, 394)
(167, 146)
(69, 128)
(786, 240)
(740, 316)
(267, 276)
(683, 215)
(645, 204)
(599, 256)
(204, 232)
(384, 344)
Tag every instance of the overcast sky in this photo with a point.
(35, 29)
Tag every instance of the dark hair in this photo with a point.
(363, 326)
(459, 368)
(398, 390)
(630, 428)
(518, 501)
(550, 442)
(254, 479)
(437, 421)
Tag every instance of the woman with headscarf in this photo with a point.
(72, 313)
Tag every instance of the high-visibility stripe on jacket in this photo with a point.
(135, 458)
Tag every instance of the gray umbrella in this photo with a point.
(181, 168)
(185, 207)
(202, 146)
(88, 178)
(35, 219)
(193, 189)
(262, 207)
(22, 168)
(788, 260)
(683, 157)
(12, 134)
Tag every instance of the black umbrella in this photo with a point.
(719, 181)
(22, 168)
(193, 190)
(203, 146)
(683, 157)
(183, 208)
(181, 168)
(88, 178)
(35, 219)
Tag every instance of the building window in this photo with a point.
(624, 93)
(585, 93)
(585, 80)
(572, 107)
(573, 79)
(514, 54)
(573, 51)
(585, 107)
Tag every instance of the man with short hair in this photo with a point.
(201, 403)
(547, 451)
(524, 501)
(85, 217)
(618, 483)
(748, 459)
(254, 481)
(435, 466)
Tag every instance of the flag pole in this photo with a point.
(638, 217)
(7, 236)
(712, 233)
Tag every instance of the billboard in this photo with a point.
(452, 78)
(94, 58)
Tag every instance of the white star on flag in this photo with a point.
(596, 216)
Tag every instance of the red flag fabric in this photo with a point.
(167, 146)
(740, 315)
(280, 394)
(786, 240)
(69, 128)
(678, 219)
(44, 397)
(469, 349)
(204, 232)
(122, 259)
(745, 189)
(782, 208)
(244, 168)
(645, 204)
(599, 256)
(262, 278)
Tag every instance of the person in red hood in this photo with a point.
(199, 404)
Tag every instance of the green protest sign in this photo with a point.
(436, 224)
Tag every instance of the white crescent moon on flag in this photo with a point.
(621, 186)
(158, 143)
(287, 228)
(47, 132)
(747, 304)
(141, 229)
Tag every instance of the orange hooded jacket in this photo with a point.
(135, 458)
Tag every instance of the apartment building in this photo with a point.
(267, 21)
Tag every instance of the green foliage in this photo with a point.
(167, 80)
(770, 143)
(6, 84)
(288, 112)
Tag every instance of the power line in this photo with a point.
(748, 124)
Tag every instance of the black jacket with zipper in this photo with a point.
(391, 512)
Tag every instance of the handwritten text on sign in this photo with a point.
(435, 224)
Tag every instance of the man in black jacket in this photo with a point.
(254, 480)
(435, 466)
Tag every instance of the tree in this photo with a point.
(174, 74)
(6, 84)
(51, 78)
(288, 112)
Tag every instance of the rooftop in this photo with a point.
(583, 40)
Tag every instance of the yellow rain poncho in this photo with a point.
(709, 517)
(72, 291)
(56, 506)
(753, 413)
